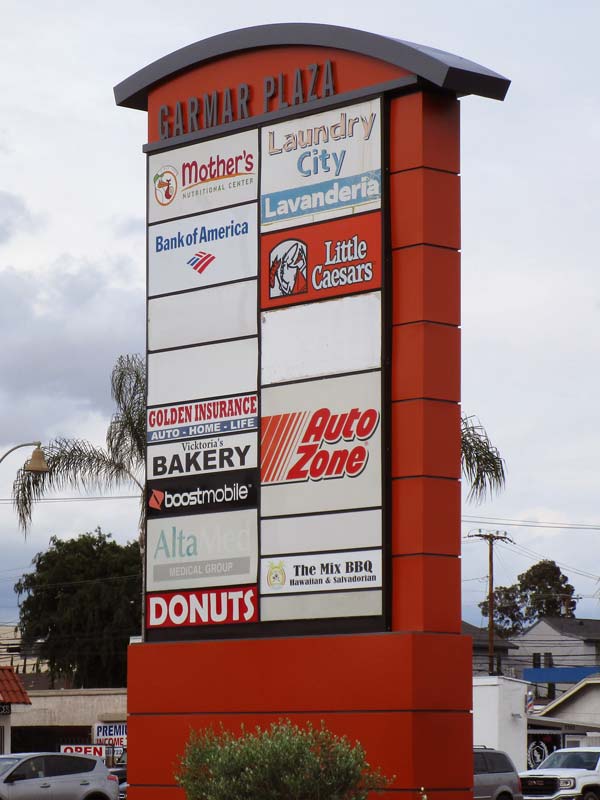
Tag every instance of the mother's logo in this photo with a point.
(165, 185)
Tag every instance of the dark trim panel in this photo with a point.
(445, 70)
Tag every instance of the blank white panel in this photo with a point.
(213, 370)
(321, 532)
(321, 606)
(342, 335)
(220, 312)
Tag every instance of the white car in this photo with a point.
(55, 776)
(569, 773)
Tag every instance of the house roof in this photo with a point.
(587, 629)
(591, 683)
(480, 639)
(442, 69)
(11, 688)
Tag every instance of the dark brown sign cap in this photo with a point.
(443, 70)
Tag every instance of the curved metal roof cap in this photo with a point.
(445, 70)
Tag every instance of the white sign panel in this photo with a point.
(342, 335)
(367, 603)
(98, 750)
(202, 418)
(203, 176)
(202, 550)
(202, 456)
(321, 572)
(113, 733)
(321, 445)
(212, 370)
(202, 250)
(320, 532)
(217, 313)
(321, 166)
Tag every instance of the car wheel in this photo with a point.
(589, 795)
(508, 796)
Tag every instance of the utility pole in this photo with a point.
(490, 537)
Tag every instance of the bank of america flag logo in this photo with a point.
(200, 261)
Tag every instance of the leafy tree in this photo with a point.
(79, 607)
(282, 762)
(78, 464)
(542, 591)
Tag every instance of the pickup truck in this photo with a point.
(572, 773)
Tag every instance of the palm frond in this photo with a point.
(482, 464)
(126, 434)
(73, 463)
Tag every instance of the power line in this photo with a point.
(532, 523)
(87, 498)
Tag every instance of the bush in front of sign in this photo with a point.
(278, 763)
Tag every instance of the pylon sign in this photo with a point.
(269, 337)
(265, 279)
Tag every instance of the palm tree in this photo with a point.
(482, 465)
(77, 464)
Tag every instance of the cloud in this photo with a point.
(62, 333)
(14, 216)
(129, 226)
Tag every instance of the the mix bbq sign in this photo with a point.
(266, 410)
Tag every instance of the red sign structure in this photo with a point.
(303, 398)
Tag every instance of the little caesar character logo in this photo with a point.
(165, 185)
(287, 269)
(305, 446)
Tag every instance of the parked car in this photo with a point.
(123, 791)
(494, 776)
(29, 776)
(120, 770)
(566, 774)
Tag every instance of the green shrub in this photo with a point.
(284, 762)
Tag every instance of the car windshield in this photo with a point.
(7, 763)
(583, 759)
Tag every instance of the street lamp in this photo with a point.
(37, 462)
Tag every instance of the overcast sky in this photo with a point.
(72, 250)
